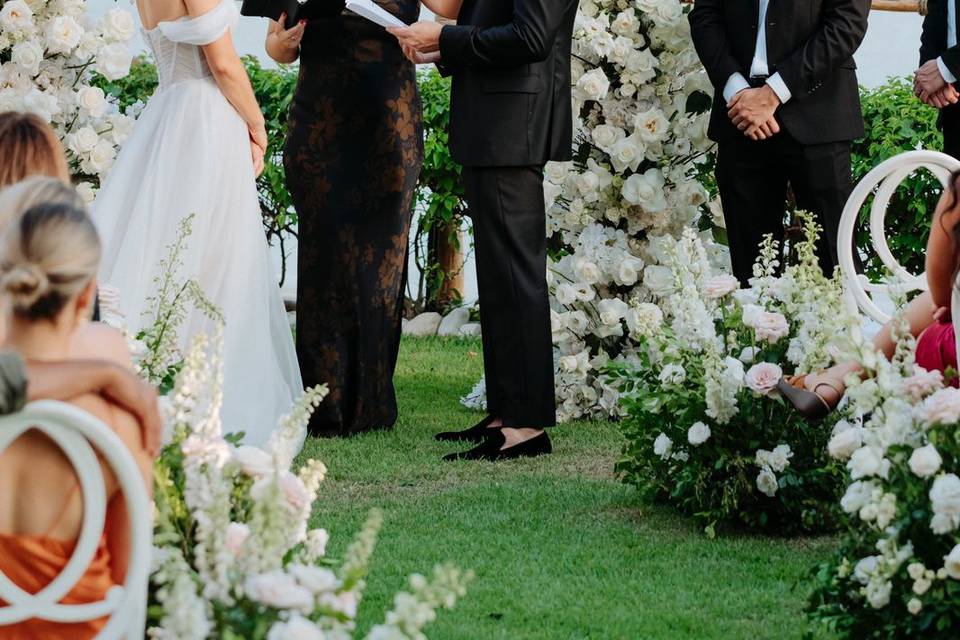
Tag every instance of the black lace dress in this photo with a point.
(353, 156)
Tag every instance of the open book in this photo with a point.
(374, 13)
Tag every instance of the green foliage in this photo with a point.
(897, 121)
(440, 193)
(136, 87)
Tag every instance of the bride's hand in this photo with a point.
(256, 152)
(258, 136)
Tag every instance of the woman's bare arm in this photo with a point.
(444, 8)
(941, 259)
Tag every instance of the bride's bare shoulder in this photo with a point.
(153, 12)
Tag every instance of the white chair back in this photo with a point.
(75, 431)
(884, 179)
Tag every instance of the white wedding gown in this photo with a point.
(190, 154)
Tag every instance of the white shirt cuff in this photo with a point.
(945, 72)
(779, 87)
(735, 85)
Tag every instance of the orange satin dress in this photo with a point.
(32, 562)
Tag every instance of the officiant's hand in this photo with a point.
(423, 36)
(289, 38)
(928, 80)
(416, 57)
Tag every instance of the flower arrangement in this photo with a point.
(50, 51)
(642, 101)
(234, 555)
(706, 430)
(897, 571)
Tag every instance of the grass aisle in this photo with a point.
(561, 549)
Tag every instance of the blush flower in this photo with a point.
(762, 378)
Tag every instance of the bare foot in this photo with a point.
(513, 437)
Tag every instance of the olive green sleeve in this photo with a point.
(13, 382)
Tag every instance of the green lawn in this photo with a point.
(560, 548)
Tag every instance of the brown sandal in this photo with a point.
(809, 404)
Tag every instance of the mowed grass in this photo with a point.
(561, 549)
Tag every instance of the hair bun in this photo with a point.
(25, 284)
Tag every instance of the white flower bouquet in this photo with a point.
(50, 54)
(641, 99)
(897, 571)
(707, 431)
(234, 555)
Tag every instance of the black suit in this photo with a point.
(933, 45)
(810, 44)
(510, 114)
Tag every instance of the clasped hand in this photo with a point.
(420, 41)
(752, 112)
(930, 86)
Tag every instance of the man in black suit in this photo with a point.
(510, 114)
(940, 68)
(786, 107)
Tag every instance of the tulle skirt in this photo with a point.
(190, 154)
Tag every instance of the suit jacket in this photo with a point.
(809, 42)
(510, 100)
(933, 39)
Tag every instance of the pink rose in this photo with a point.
(943, 407)
(294, 491)
(763, 377)
(237, 534)
(770, 326)
(922, 383)
(719, 286)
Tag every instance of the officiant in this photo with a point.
(353, 156)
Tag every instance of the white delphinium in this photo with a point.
(185, 614)
(724, 379)
(415, 609)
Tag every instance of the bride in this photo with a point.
(197, 149)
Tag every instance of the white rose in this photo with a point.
(652, 126)
(118, 25)
(719, 286)
(102, 156)
(628, 272)
(316, 579)
(878, 593)
(659, 280)
(63, 34)
(748, 355)
(845, 440)
(612, 311)
(569, 364)
(566, 294)
(296, 628)
(627, 154)
(587, 271)
(763, 377)
(865, 462)
(945, 495)
(16, 15)
(113, 61)
(914, 606)
(779, 458)
(698, 434)
(606, 135)
(593, 85)
(644, 319)
(857, 496)
(254, 462)
(86, 192)
(673, 374)
(93, 101)
(576, 321)
(767, 483)
(237, 534)
(925, 461)
(942, 524)
(951, 563)
(916, 570)
(83, 140)
(279, 590)
(646, 190)
(663, 446)
(28, 55)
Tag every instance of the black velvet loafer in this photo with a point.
(492, 449)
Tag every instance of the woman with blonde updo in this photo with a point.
(49, 258)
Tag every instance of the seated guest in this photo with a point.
(48, 262)
(928, 315)
(30, 148)
(786, 107)
(934, 82)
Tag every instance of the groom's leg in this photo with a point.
(509, 223)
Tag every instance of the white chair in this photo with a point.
(74, 431)
(885, 178)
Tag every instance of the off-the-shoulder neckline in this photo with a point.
(184, 18)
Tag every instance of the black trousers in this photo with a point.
(950, 123)
(753, 176)
(510, 240)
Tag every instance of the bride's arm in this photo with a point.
(444, 8)
(231, 76)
